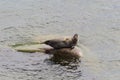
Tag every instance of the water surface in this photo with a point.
(96, 22)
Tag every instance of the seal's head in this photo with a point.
(74, 40)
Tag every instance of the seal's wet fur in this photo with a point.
(59, 44)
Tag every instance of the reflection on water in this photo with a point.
(73, 63)
(69, 69)
(28, 66)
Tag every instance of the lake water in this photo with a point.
(96, 21)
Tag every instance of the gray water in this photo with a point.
(96, 21)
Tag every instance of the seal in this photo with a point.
(59, 44)
(65, 53)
